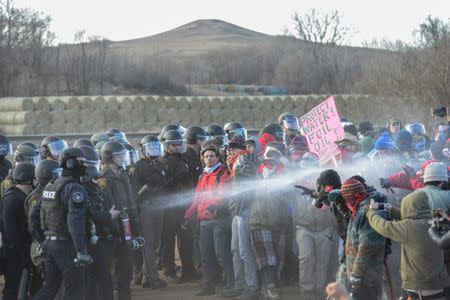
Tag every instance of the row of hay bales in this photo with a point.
(22, 116)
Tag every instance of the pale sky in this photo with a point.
(122, 20)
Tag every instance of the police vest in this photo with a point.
(53, 215)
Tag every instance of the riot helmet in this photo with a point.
(117, 134)
(92, 158)
(196, 135)
(83, 142)
(115, 152)
(289, 121)
(73, 159)
(235, 128)
(403, 140)
(44, 171)
(174, 142)
(151, 146)
(275, 130)
(27, 152)
(23, 173)
(52, 147)
(416, 129)
(169, 127)
(100, 136)
(217, 131)
(5, 146)
(133, 154)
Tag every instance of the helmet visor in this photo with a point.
(32, 159)
(291, 123)
(134, 156)
(94, 163)
(57, 147)
(122, 159)
(202, 138)
(6, 149)
(416, 129)
(153, 149)
(176, 146)
(238, 131)
(120, 137)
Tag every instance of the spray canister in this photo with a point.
(126, 226)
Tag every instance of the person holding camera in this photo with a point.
(440, 230)
(422, 262)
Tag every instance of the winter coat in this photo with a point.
(194, 164)
(210, 191)
(422, 262)
(269, 209)
(437, 198)
(364, 248)
(243, 174)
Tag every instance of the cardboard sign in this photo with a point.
(322, 127)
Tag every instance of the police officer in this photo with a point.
(115, 184)
(99, 278)
(63, 220)
(195, 137)
(149, 180)
(235, 128)
(180, 188)
(289, 122)
(5, 149)
(25, 152)
(52, 146)
(99, 137)
(83, 142)
(13, 226)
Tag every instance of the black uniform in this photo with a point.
(149, 179)
(15, 240)
(99, 278)
(180, 190)
(5, 166)
(63, 220)
(115, 184)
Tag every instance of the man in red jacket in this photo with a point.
(209, 207)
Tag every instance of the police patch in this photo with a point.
(131, 171)
(102, 183)
(77, 197)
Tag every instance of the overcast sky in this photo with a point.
(121, 20)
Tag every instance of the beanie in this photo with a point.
(384, 142)
(238, 142)
(435, 172)
(403, 140)
(329, 177)
(351, 187)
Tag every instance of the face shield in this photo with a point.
(202, 138)
(134, 156)
(416, 129)
(6, 149)
(93, 163)
(57, 147)
(120, 137)
(122, 158)
(238, 131)
(280, 136)
(419, 143)
(153, 149)
(32, 159)
(176, 146)
(291, 123)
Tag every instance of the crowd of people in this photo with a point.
(246, 215)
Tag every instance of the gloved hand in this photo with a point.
(185, 225)
(212, 209)
(385, 183)
(83, 259)
(409, 171)
(354, 284)
(334, 195)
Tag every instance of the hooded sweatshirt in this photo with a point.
(422, 262)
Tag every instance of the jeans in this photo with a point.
(215, 244)
(60, 271)
(244, 262)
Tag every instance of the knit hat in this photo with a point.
(384, 142)
(403, 140)
(351, 187)
(237, 142)
(329, 177)
(435, 172)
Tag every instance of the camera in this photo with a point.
(440, 112)
(443, 224)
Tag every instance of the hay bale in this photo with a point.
(71, 103)
(125, 103)
(86, 103)
(112, 104)
(18, 117)
(16, 104)
(41, 104)
(56, 104)
(100, 103)
(17, 129)
(138, 103)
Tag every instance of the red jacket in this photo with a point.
(210, 191)
(400, 180)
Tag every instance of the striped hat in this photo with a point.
(351, 187)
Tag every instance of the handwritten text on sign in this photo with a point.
(322, 127)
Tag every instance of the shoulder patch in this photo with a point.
(6, 183)
(77, 197)
(131, 170)
(102, 183)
